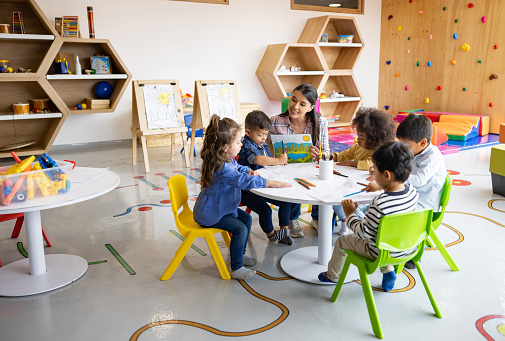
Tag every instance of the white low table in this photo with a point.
(306, 263)
(40, 273)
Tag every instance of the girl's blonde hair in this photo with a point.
(219, 132)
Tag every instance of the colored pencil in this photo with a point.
(338, 173)
(362, 184)
(307, 182)
(303, 184)
(348, 195)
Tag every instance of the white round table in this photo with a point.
(40, 273)
(306, 263)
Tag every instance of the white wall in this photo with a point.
(162, 39)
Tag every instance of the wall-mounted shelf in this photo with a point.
(340, 44)
(26, 36)
(340, 99)
(93, 77)
(30, 116)
(300, 73)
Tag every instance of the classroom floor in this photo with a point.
(129, 302)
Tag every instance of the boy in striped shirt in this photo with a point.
(392, 163)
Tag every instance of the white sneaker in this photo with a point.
(315, 224)
(294, 229)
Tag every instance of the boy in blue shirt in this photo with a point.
(428, 168)
(256, 154)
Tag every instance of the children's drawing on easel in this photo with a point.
(221, 100)
(161, 111)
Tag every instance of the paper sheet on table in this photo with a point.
(85, 174)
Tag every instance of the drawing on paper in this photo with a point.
(221, 100)
(161, 111)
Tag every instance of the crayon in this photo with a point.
(303, 184)
(309, 183)
(362, 184)
(340, 174)
(348, 195)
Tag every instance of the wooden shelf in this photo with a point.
(26, 36)
(340, 44)
(341, 99)
(94, 77)
(299, 73)
(30, 116)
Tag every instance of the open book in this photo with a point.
(296, 146)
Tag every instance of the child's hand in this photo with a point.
(371, 170)
(370, 178)
(277, 184)
(348, 163)
(349, 207)
(283, 159)
(372, 187)
(253, 172)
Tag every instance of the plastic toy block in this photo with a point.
(438, 136)
(483, 120)
(498, 182)
(410, 111)
(497, 160)
(433, 117)
(501, 138)
(459, 127)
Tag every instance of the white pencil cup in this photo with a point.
(325, 169)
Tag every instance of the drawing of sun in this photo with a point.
(164, 98)
(224, 93)
(306, 138)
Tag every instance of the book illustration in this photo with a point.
(100, 64)
(161, 111)
(221, 100)
(296, 146)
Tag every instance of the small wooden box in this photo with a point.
(97, 103)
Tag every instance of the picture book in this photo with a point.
(296, 146)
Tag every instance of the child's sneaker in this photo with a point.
(388, 280)
(295, 229)
(242, 273)
(409, 265)
(281, 236)
(315, 224)
(322, 277)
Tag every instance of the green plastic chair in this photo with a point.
(397, 232)
(437, 220)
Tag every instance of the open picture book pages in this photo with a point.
(296, 146)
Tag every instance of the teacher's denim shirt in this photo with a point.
(249, 151)
(223, 196)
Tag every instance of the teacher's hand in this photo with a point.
(314, 152)
(277, 184)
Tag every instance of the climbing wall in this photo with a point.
(444, 56)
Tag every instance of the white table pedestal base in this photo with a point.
(15, 278)
(303, 264)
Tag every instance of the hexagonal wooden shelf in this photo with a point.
(335, 60)
(36, 49)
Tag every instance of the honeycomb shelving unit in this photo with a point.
(327, 66)
(37, 49)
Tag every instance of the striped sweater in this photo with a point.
(383, 204)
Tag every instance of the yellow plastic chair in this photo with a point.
(437, 220)
(190, 230)
(397, 232)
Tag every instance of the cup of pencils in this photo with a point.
(325, 169)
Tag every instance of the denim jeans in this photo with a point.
(240, 228)
(339, 210)
(260, 206)
(295, 211)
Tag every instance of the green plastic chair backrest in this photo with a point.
(404, 231)
(178, 193)
(444, 201)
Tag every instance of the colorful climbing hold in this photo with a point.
(430, 36)
(429, 63)
(418, 64)
(408, 38)
(426, 100)
(406, 88)
(420, 12)
(397, 74)
(465, 47)
(399, 28)
(444, 8)
(491, 104)
(386, 107)
(456, 21)
(495, 47)
(483, 19)
(439, 87)
(453, 61)
(408, 50)
(470, 5)
(464, 89)
(493, 76)
(455, 36)
(410, 1)
(479, 61)
(388, 62)
(390, 17)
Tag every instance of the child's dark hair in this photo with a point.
(257, 119)
(395, 157)
(415, 127)
(310, 94)
(378, 126)
(218, 134)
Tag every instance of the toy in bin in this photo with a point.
(25, 180)
(346, 38)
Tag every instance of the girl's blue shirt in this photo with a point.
(223, 196)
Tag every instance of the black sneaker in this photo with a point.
(410, 265)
